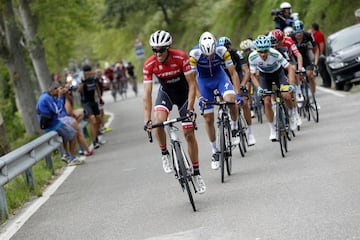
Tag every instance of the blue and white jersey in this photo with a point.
(208, 68)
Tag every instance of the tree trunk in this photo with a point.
(163, 9)
(4, 143)
(34, 44)
(19, 74)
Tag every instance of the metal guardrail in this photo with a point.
(22, 159)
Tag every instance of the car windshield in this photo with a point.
(343, 39)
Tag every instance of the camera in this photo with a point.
(73, 88)
(276, 12)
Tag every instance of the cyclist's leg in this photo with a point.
(227, 91)
(189, 133)
(162, 108)
(266, 84)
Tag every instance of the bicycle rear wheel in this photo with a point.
(184, 177)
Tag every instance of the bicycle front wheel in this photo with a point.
(222, 149)
(281, 129)
(228, 155)
(313, 107)
(241, 144)
(183, 173)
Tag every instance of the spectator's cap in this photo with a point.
(86, 68)
(54, 85)
(357, 13)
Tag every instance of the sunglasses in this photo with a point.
(266, 51)
(159, 50)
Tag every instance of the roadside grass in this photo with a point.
(17, 190)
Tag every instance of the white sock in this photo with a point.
(249, 129)
(213, 147)
(233, 124)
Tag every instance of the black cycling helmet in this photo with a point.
(86, 68)
(224, 41)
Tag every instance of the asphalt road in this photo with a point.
(122, 192)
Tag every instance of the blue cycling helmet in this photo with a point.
(262, 43)
(224, 41)
(298, 26)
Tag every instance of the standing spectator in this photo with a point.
(87, 89)
(48, 107)
(321, 44)
(357, 15)
(283, 16)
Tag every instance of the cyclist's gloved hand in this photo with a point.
(291, 87)
(260, 90)
(202, 102)
(243, 89)
(147, 125)
(191, 114)
(239, 99)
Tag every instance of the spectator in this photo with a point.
(87, 89)
(321, 44)
(48, 107)
(66, 118)
(357, 15)
(282, 16)
(100, 80)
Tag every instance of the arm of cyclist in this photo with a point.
(191, 80)
(236, 83)
(147, 102)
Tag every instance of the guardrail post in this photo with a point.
(4, 212)
(30, 180)
(49, 163)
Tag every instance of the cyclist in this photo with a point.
(242, 69)
(286, 46)
(271, 64)
(177, 87)
(206, 60)
(305, 42)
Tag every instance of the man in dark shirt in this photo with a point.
(88, 87)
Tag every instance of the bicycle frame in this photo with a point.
(281, 115)
(224, 144)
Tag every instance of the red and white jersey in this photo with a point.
(290, 45)
(171, 73)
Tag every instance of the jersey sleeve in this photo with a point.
(148, 71)
(252, 63)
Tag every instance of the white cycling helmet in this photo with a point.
(207, 43)
(246, 44)
(285, 5)
(288, 30)
(160, 38)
